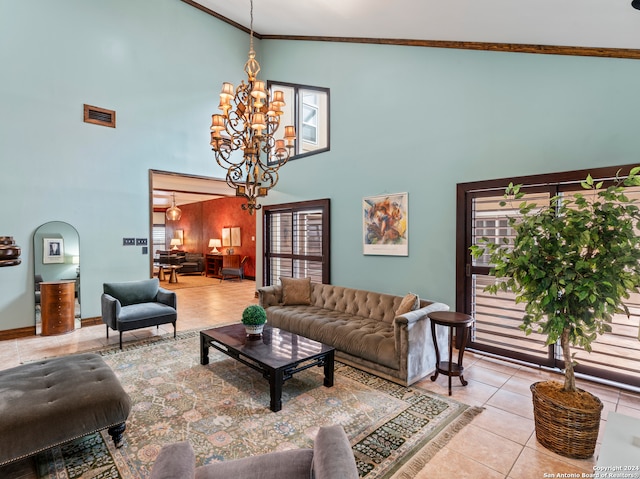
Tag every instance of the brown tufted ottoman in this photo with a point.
(50, 402)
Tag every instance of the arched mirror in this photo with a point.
(56, 260)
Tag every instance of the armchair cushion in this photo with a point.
(133, 292)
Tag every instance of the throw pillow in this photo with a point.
(409, 303)
(296, 291)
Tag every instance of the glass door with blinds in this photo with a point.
(497, 317)
(615, 355)
(296, 241)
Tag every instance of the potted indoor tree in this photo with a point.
(574, 263)
(254, 318)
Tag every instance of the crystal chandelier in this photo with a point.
(249, 120)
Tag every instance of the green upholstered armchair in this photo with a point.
(137, 304)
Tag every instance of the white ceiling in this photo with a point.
(585, 23)
(187, 189)
(573, 23)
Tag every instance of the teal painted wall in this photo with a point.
(421, 120)
(403, 119)
(160, 65)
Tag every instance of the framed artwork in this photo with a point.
(385, 224)
(52, 250)
(226, 236)
(180, 235)
(235, 236)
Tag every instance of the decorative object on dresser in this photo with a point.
(9, 252)
(57, 306)
(368, 329)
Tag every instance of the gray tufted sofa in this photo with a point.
(363, 327)
(47, 403)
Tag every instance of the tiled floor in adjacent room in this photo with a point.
(499, 443)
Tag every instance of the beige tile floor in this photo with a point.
(499, 443)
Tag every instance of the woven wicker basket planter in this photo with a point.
(566, 431)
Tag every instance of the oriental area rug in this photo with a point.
(222, 409)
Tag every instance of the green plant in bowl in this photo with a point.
(254, 317)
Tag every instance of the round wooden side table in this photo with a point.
(454, 321)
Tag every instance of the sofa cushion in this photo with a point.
(133, 292)
(362, 337)
(410, 302)
(277, 465)
(296, 291)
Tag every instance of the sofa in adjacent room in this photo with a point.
(386, 335)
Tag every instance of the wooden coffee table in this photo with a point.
(277, 354)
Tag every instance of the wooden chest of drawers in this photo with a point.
(57, 307)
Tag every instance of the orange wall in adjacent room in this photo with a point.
(205, 220)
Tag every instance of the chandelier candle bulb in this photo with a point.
(278, 99)
(227, 92)
(258, 122)
(290, 135)
(217, 122)
(258, 92)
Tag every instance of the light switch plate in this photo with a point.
(128, 241)
(141, 241)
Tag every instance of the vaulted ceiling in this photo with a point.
(581, 27)
(577, 23)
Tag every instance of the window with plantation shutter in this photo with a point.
(296, 241)
(615, 355)
(159, 242)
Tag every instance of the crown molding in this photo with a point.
(628, 53)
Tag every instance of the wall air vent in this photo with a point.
(99, 116)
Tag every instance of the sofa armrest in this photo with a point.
(175, 461)
(167, 297)
(421, 313)
(270, 295)
(110, 310)
(332, 455)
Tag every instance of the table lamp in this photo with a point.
(214, 243)
(175, 242)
